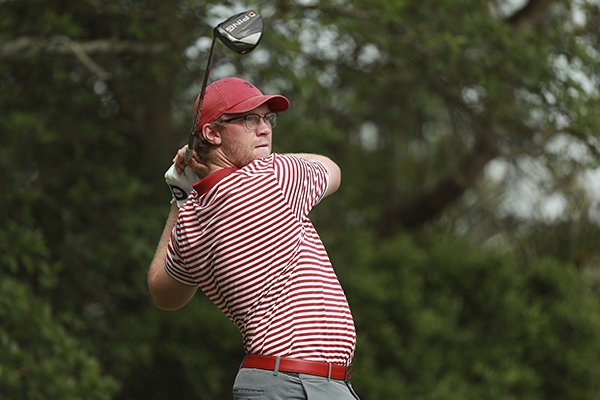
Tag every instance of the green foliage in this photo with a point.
(40, 359)
(24, 253)
(441, 320)
(398, 92)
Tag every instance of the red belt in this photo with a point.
(319, 368)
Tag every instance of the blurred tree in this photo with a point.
(40, 359)
(442, 319)
(422, 104)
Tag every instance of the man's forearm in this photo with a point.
(158, 262)
(168, 293)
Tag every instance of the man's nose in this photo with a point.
(263, 127)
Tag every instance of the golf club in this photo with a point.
(240, 33)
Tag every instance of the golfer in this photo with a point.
(243, 237)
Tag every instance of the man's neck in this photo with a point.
(218, 161)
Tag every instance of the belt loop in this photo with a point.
(348, 376)
(329, 372)
(277, 361)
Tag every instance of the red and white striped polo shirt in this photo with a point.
(244, 238)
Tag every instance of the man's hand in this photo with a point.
(180, 183)
(194, 164)
(181, 178)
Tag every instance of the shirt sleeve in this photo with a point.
(174, 264)
(303, 182)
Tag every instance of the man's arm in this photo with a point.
(168, 294)
(333, 170)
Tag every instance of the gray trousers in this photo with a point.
(258, 384)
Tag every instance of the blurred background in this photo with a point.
(465, 233)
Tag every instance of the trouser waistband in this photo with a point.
(286, 364)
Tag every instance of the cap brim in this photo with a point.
(276, 103)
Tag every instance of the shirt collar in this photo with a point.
(204, 185)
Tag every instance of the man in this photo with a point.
(244, 238)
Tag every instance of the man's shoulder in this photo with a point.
(280, 163)
(260, 165)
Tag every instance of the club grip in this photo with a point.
(187, 156)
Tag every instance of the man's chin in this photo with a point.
(261, 152)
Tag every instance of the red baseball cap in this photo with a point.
(233, 96)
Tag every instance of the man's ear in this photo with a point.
(211, 135)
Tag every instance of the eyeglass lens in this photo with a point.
(253, 120)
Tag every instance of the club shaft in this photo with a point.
(190, 147)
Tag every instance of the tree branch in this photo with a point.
(424, 206)
(27, 47)
(427, 205)
(530, 13)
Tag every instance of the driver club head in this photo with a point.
(242, 32)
